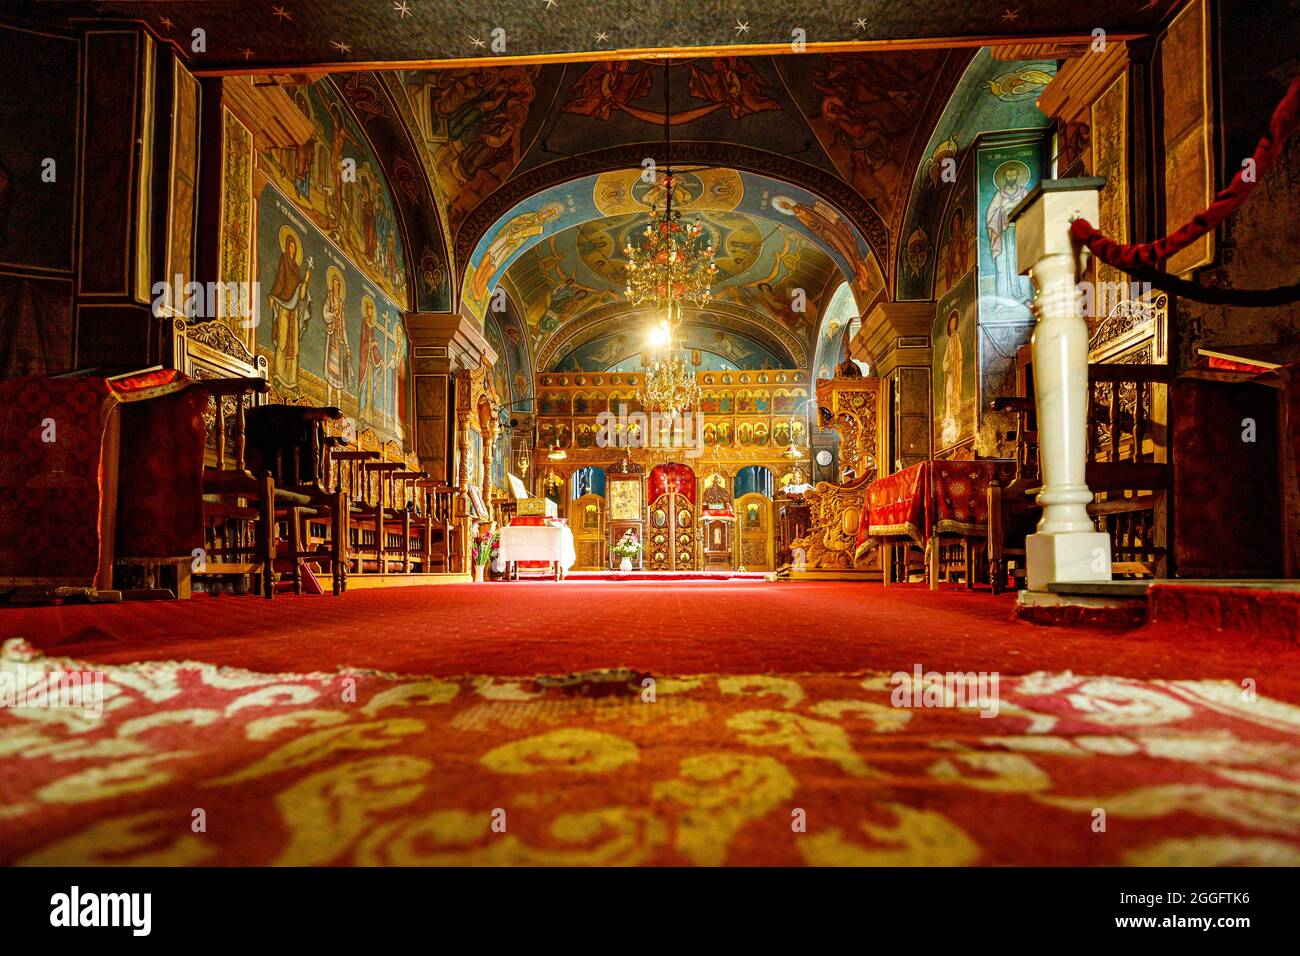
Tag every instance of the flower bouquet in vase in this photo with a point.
(626, 548)
(486, 543)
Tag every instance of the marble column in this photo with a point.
(1066, 546)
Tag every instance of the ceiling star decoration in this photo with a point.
(282, 14)
(602, 36)
(860, 23)
(742, 27)
(402, 8)
(551, 3)
(477, 42)
(166, 23)
(247, 53)
(341, 47)
(1011, 16)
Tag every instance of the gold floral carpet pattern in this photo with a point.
(192, 764)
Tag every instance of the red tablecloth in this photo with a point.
(896, 505)
(958, 499)
(932, 497)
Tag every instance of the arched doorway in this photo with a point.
(754, 518)
(671, 544)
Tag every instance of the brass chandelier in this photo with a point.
(673, 264)
(670, 386)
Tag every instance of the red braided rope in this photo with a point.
(1148, 255)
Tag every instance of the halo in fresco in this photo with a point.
(287, 233)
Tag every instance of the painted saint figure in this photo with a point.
(396, 378)
(290, 310)
(338, 352)
(1012, 181)
(957, 262)
(950, 422)
(370, 377)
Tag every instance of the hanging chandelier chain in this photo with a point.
(672, 264)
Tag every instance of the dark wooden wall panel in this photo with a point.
(112, 90)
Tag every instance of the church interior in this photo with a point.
(538, 436)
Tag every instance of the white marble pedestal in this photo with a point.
(1067, 546)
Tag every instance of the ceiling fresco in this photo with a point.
(727, 336)
(742, 100)
(720, 350)
(852, 119)
(769, 234)
(840, 313)
(760, 264)
(256, 35)
(992, 95)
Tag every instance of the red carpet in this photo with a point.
(681, 628)
(197, 765)
(1221, 608)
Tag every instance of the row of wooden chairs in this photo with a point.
(286, 499)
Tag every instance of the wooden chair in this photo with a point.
(1013, 513)
(238, 501)
(291, 443)
(1128, 482)
(440, 542)
(391, 523)
(358, 487)
(1124, 472)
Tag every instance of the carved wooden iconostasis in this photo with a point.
(671, 489)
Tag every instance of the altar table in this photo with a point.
(552, 544)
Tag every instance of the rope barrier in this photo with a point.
(1142, 260)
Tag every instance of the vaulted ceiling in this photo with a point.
(808, 171)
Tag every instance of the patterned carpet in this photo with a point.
(194, 764)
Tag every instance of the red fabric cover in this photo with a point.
(1149, 255)
(674, 478)
(160, 475)
(958, 500)
(145, 385)
(896, 505)
(50, 501)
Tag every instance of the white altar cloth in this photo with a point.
(534, 543)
